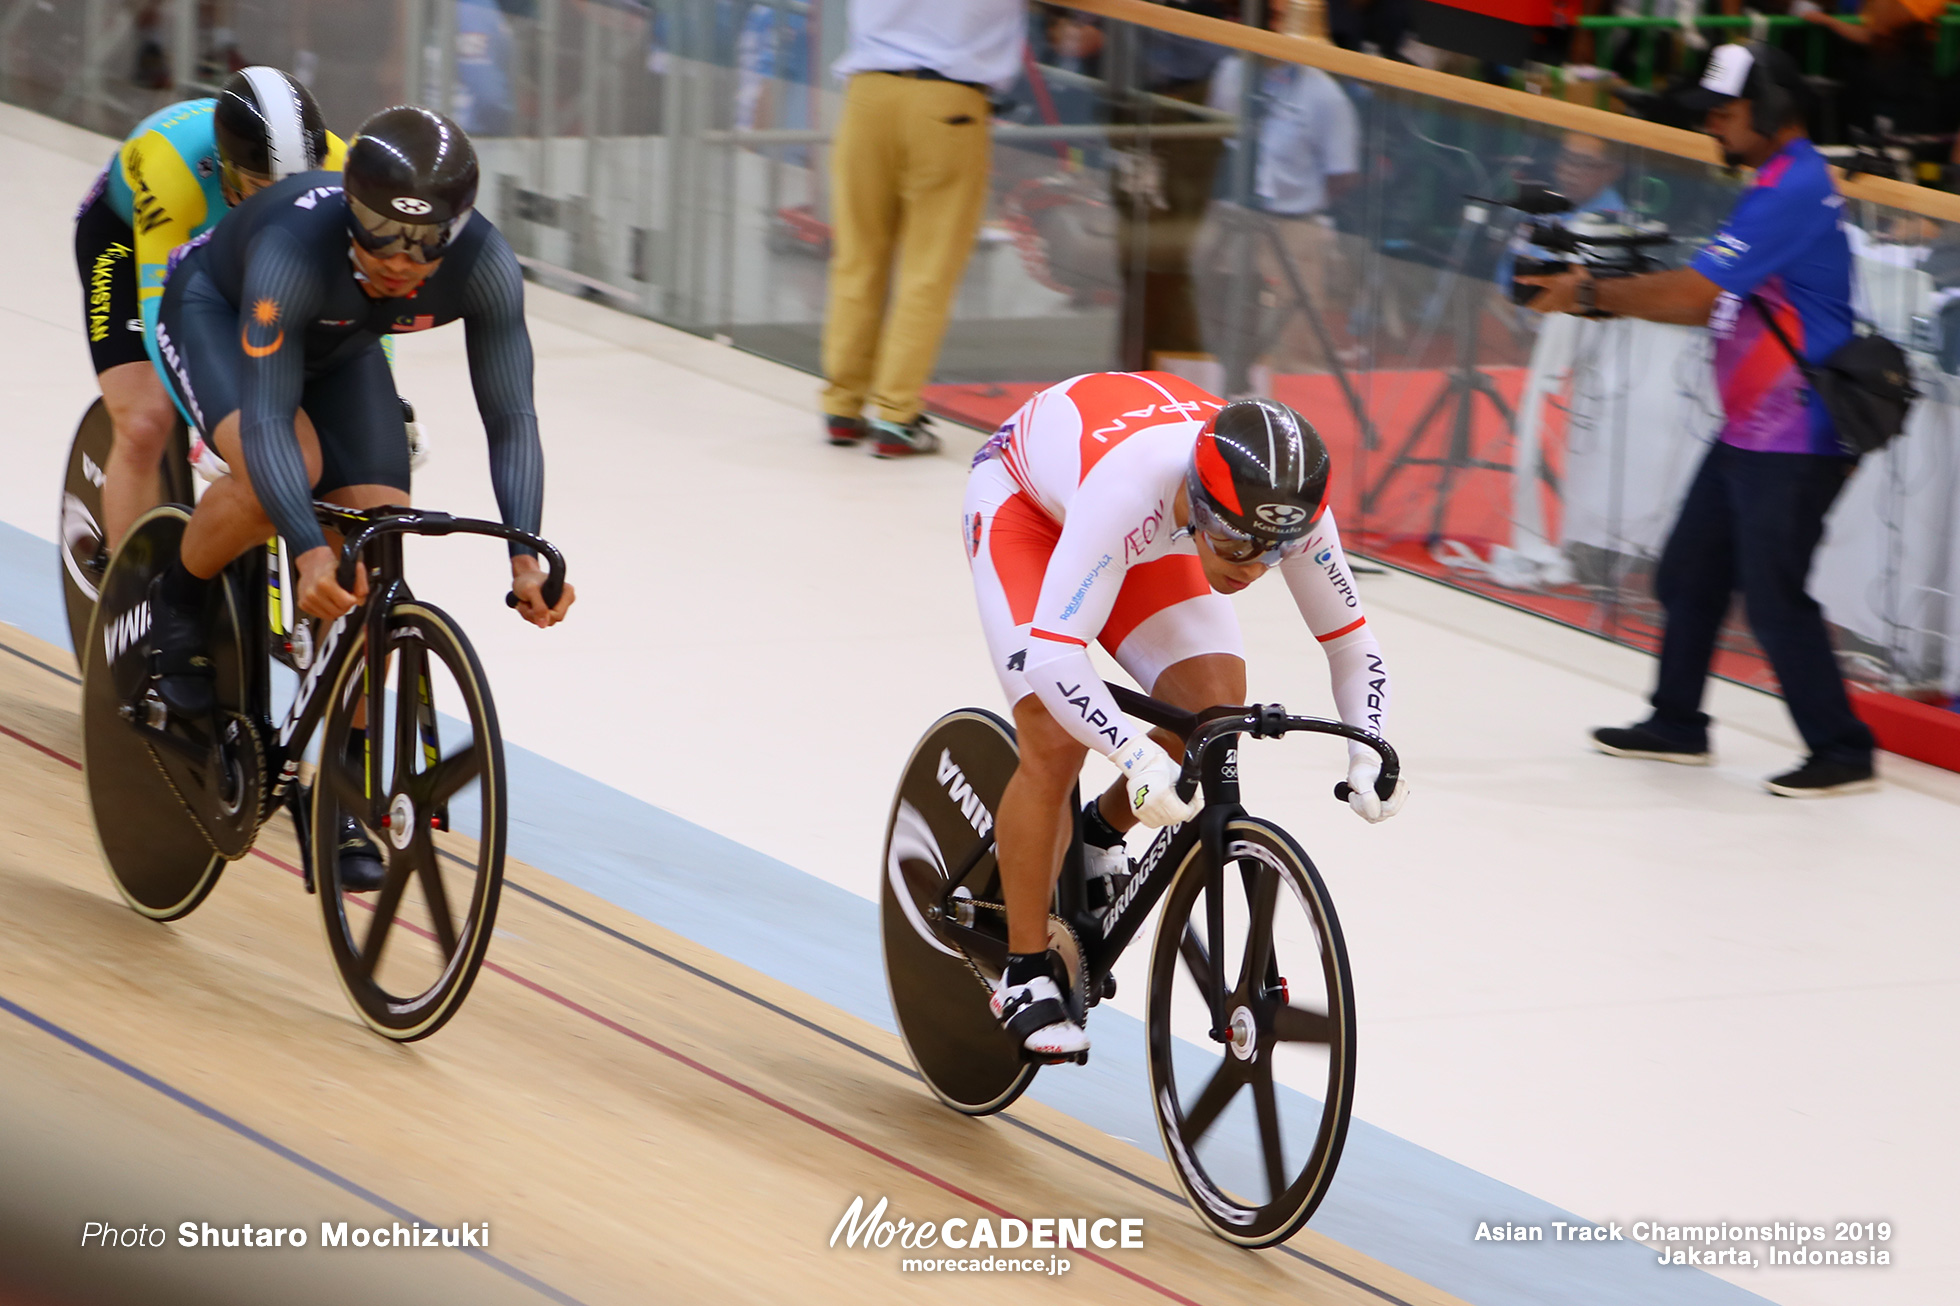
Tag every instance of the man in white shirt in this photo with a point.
(1307, 155)
(908, 176)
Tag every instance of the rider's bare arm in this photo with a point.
(1323, 589)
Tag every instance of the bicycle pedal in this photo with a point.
(1108, 987)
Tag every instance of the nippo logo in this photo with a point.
(413, 207)
(1281, 514)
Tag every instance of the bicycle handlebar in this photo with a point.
(1261, 721)
(1270, 721)
(364, 528)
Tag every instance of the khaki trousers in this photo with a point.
(908, 177)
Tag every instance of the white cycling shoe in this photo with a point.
(1036, 1014)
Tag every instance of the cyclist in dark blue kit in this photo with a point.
(270, 334)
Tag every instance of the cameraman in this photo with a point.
(1755, 512)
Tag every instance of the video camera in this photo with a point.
(1549, 243)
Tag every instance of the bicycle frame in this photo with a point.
(373, 537)
(1212, 759)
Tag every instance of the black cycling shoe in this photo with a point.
(185, 676)
(362, 869)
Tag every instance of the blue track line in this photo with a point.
(274, 1146)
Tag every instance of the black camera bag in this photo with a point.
(1865, 385)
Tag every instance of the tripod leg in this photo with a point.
(1403, 456)
(1303, 303)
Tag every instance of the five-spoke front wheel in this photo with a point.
(1253, 1109)
(408, 950)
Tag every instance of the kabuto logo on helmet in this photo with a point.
(413, 207)
(1281, 515)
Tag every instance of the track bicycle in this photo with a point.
(84, 556)
(1250, 1007)
(175, 799)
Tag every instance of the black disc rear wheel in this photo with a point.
(159, 852)
(941, 830)
(1253, 1126)
(408, 952)
(83, 559)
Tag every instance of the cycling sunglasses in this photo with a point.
(1238, 550)
(383, 237)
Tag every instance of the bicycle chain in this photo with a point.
(1075, 943)
(190, 809)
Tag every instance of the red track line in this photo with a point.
(719, 1077)
(40, 748)
(716, 1075)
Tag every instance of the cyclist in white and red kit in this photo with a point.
(1124, 507)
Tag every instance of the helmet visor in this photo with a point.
(385, 237)
(1235, 546)
(242, 182)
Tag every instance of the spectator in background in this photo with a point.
(1893, 84)
(1585, 171)
(1306, 156)
(480, 102)
(1361, 24)
(908, 178)
(1160, 185)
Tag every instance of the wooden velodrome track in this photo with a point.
(635, 1117)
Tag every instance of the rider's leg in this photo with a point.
(229, 519)
(1194, 684)
(1033, 827)
(142, 416)
(1031, 834)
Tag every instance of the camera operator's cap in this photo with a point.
(1727, 76)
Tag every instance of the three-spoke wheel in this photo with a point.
(1253, 1124)
(408, 951)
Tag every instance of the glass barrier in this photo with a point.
(1155, 201)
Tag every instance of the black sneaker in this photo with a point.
(1640, 741)
(895, 440)
(186, 678)
(843, 431)
(361, 868)
(1817, 778)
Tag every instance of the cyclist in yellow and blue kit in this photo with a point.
(177, 174)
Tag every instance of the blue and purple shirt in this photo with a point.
(1784, 242)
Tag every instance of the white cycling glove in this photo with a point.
(1153, 784)
(1367, 804)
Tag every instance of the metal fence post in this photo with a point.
(443, 93)
(183, 44)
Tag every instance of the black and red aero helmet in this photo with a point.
(411, 180)
(1258, 472)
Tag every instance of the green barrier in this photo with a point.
(1651, 27)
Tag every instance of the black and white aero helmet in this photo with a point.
(268, 128)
